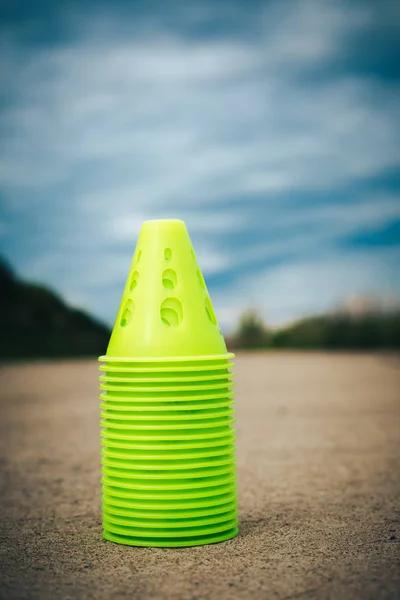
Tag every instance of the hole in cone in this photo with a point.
(171, 312)
(127, 313)
(169, 279)
(210, 311)
(201, 279)
(134, 280)
(167, 253)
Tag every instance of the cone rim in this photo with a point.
(229, 365)
(159, 543)
(169, 514)
(174, 379)
(199, 494)
(148, 477)
(225, 384)
(139, 443)
(157, 485)
(211, 443)
(167, 359)
(184, 532)
(152, 407)
(230, 449)
(169, 522)
(226, 459)
(190, 416)
(174, 504)
(167, 399)
(164, 426)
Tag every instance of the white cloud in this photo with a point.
(313, 228)
(304, 287)
(171, 119)
(211, 260)
(123, 128)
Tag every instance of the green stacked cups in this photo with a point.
(167, 417)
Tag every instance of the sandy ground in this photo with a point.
(319, 484)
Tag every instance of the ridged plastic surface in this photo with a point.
(168, 461)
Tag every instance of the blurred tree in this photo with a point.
(35, 322)
(252, 332)
(306, 333)
(374, 330)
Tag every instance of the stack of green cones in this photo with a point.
(168, 453)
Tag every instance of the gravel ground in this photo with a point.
(319, 488)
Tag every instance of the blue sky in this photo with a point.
(271, 128)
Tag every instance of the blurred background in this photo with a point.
(271, 128)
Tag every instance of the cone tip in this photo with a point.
(165, 308)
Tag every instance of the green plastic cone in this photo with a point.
(165, 309)
(167, 414)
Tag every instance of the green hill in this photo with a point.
(36, 323)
